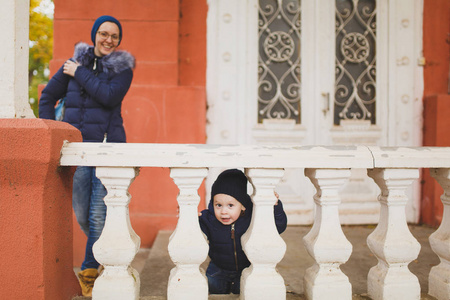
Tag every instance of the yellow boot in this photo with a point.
(87, 278)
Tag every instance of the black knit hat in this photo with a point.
(232, 182)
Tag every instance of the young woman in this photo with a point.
(94, 82)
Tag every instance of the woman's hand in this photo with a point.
(70, 67)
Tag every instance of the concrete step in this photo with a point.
(155, 274)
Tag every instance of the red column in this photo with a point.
(35, 211)
(436, 49)
(436, 124)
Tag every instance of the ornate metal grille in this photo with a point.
(355, 88)
(279, 60)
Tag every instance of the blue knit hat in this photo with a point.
(232, 182)
(102, 20)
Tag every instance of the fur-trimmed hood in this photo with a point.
(115, 62)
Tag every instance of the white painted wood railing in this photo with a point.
(393, 170)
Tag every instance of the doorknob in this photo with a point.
(326, 103)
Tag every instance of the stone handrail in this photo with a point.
(328, 168)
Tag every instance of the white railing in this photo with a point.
(393, 170)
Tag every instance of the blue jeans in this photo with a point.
(222, 281)
(90, 209)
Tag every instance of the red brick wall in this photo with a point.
(167, 100)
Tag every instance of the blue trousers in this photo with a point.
(222, 281)
(90, 209)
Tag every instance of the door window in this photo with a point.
(279, 60)
(355, 86)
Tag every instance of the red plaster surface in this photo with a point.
(436, 46)
(157, 74)
(71, 32)
(436, 124)
(185, 114)
(165, 115)
(437, 121)
(193, 43)
(159, 200)
(137, 10)
(158, 41)
(35, 222)
(436, 50)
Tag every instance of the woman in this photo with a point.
(94, 83)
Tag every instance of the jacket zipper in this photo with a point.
(234, 244)
(94, 68)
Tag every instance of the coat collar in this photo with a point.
(115, 62)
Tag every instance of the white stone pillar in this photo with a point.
(261, 243)
(326, 242)
(187, 246)
(14, 51)
(392, 242)
(118, 244)
(438, 280)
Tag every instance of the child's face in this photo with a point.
(227, 209)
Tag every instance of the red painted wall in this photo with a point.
(436, 124)
(436, 50)
(167, 100)
(35, 221)
(436, 46)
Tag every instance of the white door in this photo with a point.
(317, 72)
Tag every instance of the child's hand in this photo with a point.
(278, 197)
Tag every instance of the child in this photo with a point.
(224, 222)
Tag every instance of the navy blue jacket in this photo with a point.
(93, 97)
(222, 245)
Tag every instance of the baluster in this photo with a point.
(262, 244)
(391, 241)
(438, 280)
(187, 246)
(118, 243)
(326, 242)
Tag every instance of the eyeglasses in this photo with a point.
(104, 35)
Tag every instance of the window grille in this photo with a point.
(355, 86)
(279, 60)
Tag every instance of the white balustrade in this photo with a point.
(393, 169)
(187, 246)
(439, 278)
(326, 242)
(391, 241)
(262, 244)
(118, 243)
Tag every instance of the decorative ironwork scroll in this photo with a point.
(355, 87)
(279, 60)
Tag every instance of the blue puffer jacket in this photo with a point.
(222, 245)
(94, 96)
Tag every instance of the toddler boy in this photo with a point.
(224, 222)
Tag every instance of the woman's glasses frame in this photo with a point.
(105, 35)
